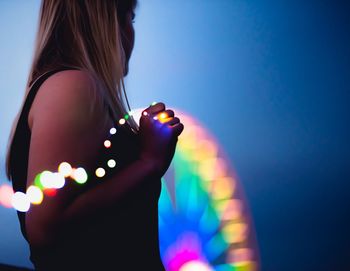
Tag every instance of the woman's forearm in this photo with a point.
(108, 192)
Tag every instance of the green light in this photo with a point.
(37, 181)
(126, 116)
(154, 103)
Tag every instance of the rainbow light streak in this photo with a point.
(203, 221)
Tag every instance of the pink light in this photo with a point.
(6, 193)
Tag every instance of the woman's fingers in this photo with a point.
(177, 128)
(172, 121)
(155, 109)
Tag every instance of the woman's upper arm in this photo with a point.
(68, 123)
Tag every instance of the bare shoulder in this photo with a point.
(68, 92)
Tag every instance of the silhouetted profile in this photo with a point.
(75, 95)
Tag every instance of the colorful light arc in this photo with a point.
(203, 221)
(203, 217)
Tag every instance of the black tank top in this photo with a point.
(124, 237)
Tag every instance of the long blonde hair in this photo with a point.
(83, 34)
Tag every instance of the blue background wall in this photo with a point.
(269, 79)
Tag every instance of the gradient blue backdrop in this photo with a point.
(269, 79)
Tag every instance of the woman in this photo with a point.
(74, 97)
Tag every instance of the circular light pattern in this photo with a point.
(20, 202)
(80, 175)
(122, 121)
(107, 143)
(35, 195)
(145, 113)
(155, 118)
(6, 193)
(111, 163)
(58, 180)
(46, 179)
(65, 169)
(203, 218)
(112, 131)
(163, 115)
(100, 172)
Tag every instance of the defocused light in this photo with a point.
(6, 193)
(145, 113)
(244, 266)
(46, 179)
(222, 188)
(240, 255)
(100, 172)
(80, 175)
(112, 131)
(195, 266)
(107, 143)
(234, 232)
(58, 180)
(65, 169)
(35, 195)
(50, 192)
(20, 202)
(121, 121)
(155, 117)
(111, 163)
(154, 103)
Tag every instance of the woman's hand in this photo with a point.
(159, 136)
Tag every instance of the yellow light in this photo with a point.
(222, 188)
(100, 172)
(235, 232)
(20, 202)
(65, 169)
(121, 121)
(35, 195)
(80, 175)
(111, 163)
(244, 266)
(163, 115)
(112, 131)
(107, 143)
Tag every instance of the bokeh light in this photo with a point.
(65, 169)
(80, 175)
(100, 172)
(35, 195)
(20, 202)
(111, 163)
(107, 143)
(6, 193)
